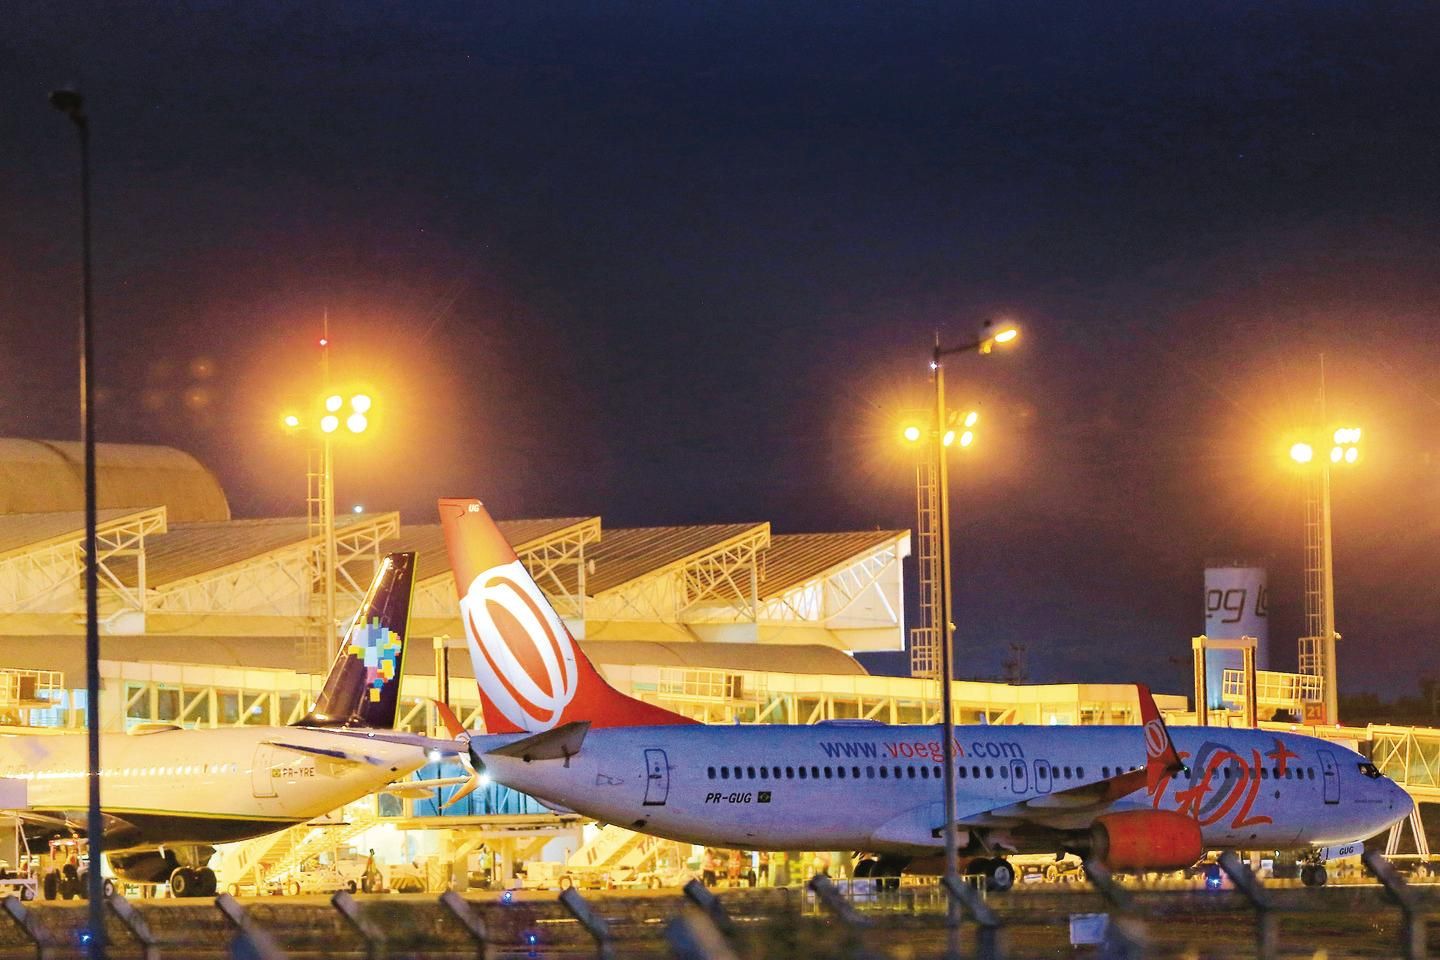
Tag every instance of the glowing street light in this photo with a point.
(941, 615)
(1302, 453)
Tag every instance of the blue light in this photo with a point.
(507, 897)
(1213, 881)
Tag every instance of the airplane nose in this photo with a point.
(1400, 801)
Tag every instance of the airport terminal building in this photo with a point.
(208, 620)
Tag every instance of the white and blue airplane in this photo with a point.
(168, 794)
(1134, 797)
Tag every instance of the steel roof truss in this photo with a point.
(28, 580)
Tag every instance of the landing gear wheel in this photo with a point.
(205, 882)
(50, 886)
(293, 888)
(865, 868)
(351, 886)
(183, 882)
(107, 887)
(999, 876)
(1314, 875)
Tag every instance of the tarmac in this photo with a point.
(1035, 922)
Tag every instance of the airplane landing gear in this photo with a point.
(1314, 875)
(184, 882)
(999, 875)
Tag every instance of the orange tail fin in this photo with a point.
(1161, 758)
(533, 676)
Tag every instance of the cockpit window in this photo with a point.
(1370, 770)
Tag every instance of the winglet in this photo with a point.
(453, 726)
(1161, 758)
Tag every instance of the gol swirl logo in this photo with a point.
(524, 658)
(1154, 738)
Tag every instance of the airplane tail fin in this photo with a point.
(533, 676)
(1161, 758)
(363, 686)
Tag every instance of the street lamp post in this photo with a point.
(939, 429)
(72, 105)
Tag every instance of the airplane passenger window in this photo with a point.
(827, 773)
(764, 773)
(910, 772)
(990, 773)
(750, 772)
(855, 771)
(1264, 773)
(885, 775)
(814, 773)
(975, 772)
(898, 773)
(1004, 773)
(725, 775)
(870, 773)
(776, 773)
(789, 773)
(710, 771)
(802, 772)
(1105, 772)
(840, 772)
(737, 773)
(1289, 774)
(1067, 773)
(1080, 772)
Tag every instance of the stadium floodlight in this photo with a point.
(329, 423)
(1302, 453)
(911, 433)
(334, 402)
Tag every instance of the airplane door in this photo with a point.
(1330, 776)
(261, 783)
(1019, 776)
(657, 778)
(1042, 776)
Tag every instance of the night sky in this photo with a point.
(681, 263)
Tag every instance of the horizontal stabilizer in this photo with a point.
(561, 743)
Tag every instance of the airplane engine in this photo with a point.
(1146, 840)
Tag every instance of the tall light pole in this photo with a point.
(72, 105)
(1317, 650)
(355, 411)
(988, 340)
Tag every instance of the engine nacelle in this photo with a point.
(1146, 840)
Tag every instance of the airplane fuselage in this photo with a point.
(878, 788)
